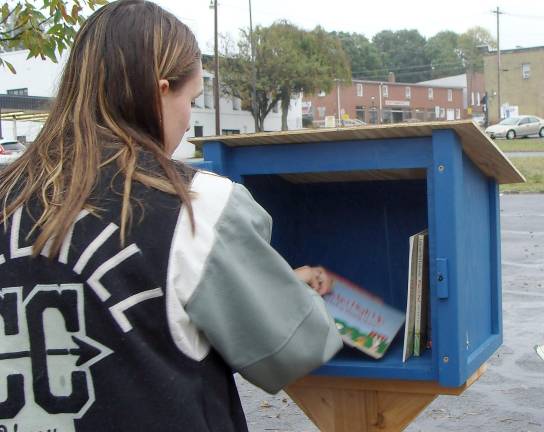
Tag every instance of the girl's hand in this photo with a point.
(316, 277)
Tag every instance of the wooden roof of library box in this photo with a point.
(477, 146)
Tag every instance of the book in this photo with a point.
(364, 321)
(421, 302)
(408, 347)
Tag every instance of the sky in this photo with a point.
(521, 25)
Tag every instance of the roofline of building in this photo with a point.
(514, 50)
(405, 84)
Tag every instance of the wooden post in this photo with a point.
(338, 404)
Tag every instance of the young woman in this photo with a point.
(131, 286)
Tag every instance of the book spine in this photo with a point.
(425, 303)
(419, 295)
(408, 348)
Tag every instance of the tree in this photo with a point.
(444, 55)
(364, 58)
(403, 52)
(470, 45)
(288, 61)
(46, 27)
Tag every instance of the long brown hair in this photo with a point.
(108, 98)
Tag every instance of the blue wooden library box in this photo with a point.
(349, 199)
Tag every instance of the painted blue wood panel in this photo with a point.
(353, 363)
(327, 157)
(481, 353)
(201, 164)
(475, 256)
(217, 153)
(368, 243)
(445, 217)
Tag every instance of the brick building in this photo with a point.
(473, 85)
(522, 74)
(377, 102)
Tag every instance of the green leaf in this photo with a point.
(5, 11)
(10, 67)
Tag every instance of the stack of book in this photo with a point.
(417, 332)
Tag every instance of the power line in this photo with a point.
(532, 17)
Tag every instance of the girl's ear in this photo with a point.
(164, 87)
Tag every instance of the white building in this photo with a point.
(36, 77)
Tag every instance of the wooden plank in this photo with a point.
(397, 410)
(340, 404)
(319, 406)
(347, 410)
(476, 145)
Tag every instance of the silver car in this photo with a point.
(517, 127)
(10, 150)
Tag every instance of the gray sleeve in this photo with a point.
(266, 324)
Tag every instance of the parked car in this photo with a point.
(10, 150)
(479, 120)
(517, 127)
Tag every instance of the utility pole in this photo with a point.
(216, 71)
(253, 71)
(338, 101)
(380, 117)
(498, 13)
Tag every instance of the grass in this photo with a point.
(521, 145)
(533, 170)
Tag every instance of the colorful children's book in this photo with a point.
(363, 320)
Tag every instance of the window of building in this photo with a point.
(472, 98)
(360, 113)
(199, 131)
(458, 114)
(387, 116)
(450, 95)
(442, 112)
(322, 93)
(420, 114)
(430, 94)
(526, 70)
(408, 92)
(208, 93)
(373, 115)
(478, 99)
(18, 92)
(321, 111)
(385, 91)
(230, 131)
(236, 104)
(359, 90)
